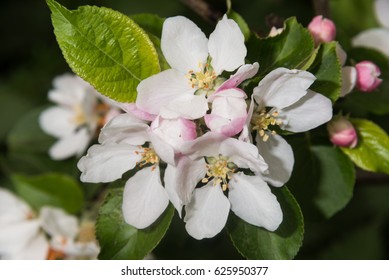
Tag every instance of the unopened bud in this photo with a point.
(342, 132)
(322, 29)
(367, 76)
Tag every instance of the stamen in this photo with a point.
(220, 169)
(203, 79)
(149, 156)
(262, 120)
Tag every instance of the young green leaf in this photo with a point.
(52, 189)
(372, 151)
(258, 243)
(105, 48)
(119, 240)
(328, 72)
(292, 49)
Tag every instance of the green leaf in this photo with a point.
(372, 151)
(336, 178)
(292, 49)
(322, 179)
(150, 23)
(51, 189)
(258, 243)
(105, 48)
(328, 72)
(119, 240)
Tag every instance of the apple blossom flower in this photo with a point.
(367, 76)
(80, 110)
(322, 29)
(342, 132)
(213, 161)
(127, 142)
(49, 234)
(196, 63)
(283, 102)
(376, 38)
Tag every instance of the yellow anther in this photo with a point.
(149, 156)
(203, 79)
(262, 120)
(220, 169)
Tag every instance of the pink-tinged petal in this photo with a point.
(322, 29)
(222, 125)
(131, 108)
(207, 213)
(375, 38)
(342, 132)
(144, 198)
(183, 44)
(226, 46)
(57, 121)
(278, 154)
(186, 106)
(312, 110)
(244, 72)
(72, 145)
(282, 87)
(124, 128)
(367, 76)
(382, 12)
(107, 163)
(159, 90)
(252, 201)
(180, 181)
(349, 79)
(56, 222)
(174, 132)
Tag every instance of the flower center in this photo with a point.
(79, 117)
(149, 156)
(220, 169)
(203, 79)
(263, 122)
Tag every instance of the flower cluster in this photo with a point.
(49, 234)
(196, 139)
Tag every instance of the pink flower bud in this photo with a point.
(342, 132)
(367, 76)
(322, 29)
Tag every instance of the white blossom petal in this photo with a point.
(312, 110)
(12, 208)
(74, 144)
(106, 163)
(183, 44)
(57, 121)
(36, 249)
(349, 79)
(278, 154)
(226, 46)
(124, 128)
(163, 149)
(382, 12)
(252, 201)
(375, 38)
(205, 145)
(207, 213)
(159, 90)
(282, 87)
(180, 181)
(144, 198)
(186, 106)
(56, 222)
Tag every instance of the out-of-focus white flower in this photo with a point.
(322, 29)
(50, 234)
(376, 38)
(342, 132)
(80, 110)
(367, 76)
(196, 63)
(214, 160)
(349, 73)
(283, 101)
